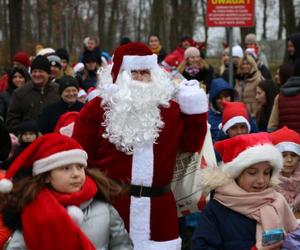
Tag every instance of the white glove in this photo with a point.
(192, 100)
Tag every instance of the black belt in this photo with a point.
(142, 191)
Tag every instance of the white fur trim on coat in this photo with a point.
(140, 207)
(192, 100)
(234, 120)
(253, 155)
(159, 245)
(139, 62)
(211, 178)
(288, 146)
(59, 159)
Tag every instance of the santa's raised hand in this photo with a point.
(191, 98)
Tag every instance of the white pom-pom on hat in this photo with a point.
(76, 214)
(5, 186)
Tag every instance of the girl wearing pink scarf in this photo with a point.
(287, 141)
(244, 204)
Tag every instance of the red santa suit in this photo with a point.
(151, 221)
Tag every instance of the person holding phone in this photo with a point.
(244, 205)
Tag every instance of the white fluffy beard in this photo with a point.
(132, 115)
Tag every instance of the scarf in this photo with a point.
(289, 187)
(47, 225)
(156, 50)
(192, 71)
(269, 208)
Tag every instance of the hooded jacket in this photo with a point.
(295, 39)
(214, 115)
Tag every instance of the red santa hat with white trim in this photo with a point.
(286, 139)
(240, 152)
(233, 113)
(132, 56)
(46, 153)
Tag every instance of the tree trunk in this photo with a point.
(139, 21)
(123, 28)
(79, 33)
(49, 25)
(203, 6)
(264, 34)
(112, 24)
(15, 25)
(174, 31)
(28, 36)
(164, 27)
(280, 15)
(101, 23)
(290, 21)
(157, 14)
(187, 18)
(40, 25)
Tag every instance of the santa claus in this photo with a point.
(133, 131)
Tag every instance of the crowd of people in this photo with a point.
(88, 148)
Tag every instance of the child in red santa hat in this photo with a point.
(52, 202)
(287, 141)
(235, 120)
(244, 203)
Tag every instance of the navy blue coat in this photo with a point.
(223, 229)
(51, 113)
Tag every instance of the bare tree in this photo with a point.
(40, 12)
(264, 34)
(28, 34)
(203, 7)
(49, 24)
(156, 13)
(101, 22)
(187, 17)
(15, 25)
(290, 20)
(280, 15)
(112, 24)
(125, 19)
(174, 31)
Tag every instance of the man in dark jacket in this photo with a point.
(29, 100)
(68, 90)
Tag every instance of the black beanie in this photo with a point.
(29, 126)
(42, 63)
(63, 54)
(65, 82)
(91, 56)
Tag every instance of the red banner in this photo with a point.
(230, 13)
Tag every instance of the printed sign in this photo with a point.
(230, 13)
